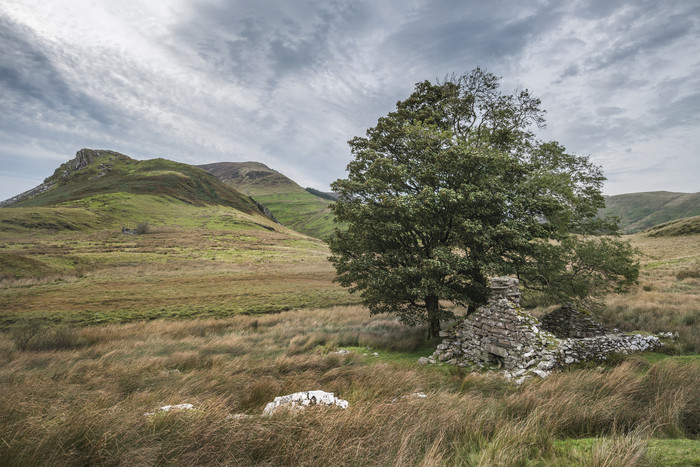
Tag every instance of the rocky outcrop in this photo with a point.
(301, 400)
(27, 194)
(82, 159)
(500, 335)
(265, 211)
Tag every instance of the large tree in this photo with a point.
(452, 187)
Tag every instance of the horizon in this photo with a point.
(326, 189)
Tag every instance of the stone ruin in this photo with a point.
(501, 335)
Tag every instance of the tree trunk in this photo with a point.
(433, 306)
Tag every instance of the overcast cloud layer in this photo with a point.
(287, 83)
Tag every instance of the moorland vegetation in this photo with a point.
(76, 390)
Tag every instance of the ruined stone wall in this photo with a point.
(500, 335)
(567, 321)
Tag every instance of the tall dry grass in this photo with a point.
(85, 404)
(668, 296)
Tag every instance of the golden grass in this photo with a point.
(78, 395)
(110, 277)
(85, 405)
(662, 302)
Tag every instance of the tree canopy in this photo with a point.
(452, 187)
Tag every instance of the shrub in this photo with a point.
(143, 228)
(36, 337)
(23, 333)
(688, 273)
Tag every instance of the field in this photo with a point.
(83, 359)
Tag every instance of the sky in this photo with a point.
(289, 82)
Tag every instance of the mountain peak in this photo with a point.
(84, 158)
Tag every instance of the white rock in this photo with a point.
(301, 400)
(168, 408)
(545, 365)
(423, 361)
(238, 416)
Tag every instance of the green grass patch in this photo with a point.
(666, 452)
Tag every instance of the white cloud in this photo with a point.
(287, 84)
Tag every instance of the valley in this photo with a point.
(218, 306)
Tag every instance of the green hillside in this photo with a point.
(105, 189)
(676, 228)
(291, 204)
(640, 211)
(96, 172)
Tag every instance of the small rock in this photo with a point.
(423, 361)
(238, 416)
(168, 408)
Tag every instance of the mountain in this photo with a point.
(101, 188)
(640, 211)
(295, 207)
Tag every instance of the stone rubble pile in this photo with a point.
(501, 335)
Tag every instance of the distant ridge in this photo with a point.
(640, 211)
(295, 207)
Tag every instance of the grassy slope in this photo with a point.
(676, 228)
(111, 172)
(639, 211)
(69, 262)
(291, 204)
(197, 261)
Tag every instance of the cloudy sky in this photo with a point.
(289, 82)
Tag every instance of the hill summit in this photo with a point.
(295, 207)
(252, 178)
(96, 171)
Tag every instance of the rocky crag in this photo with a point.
(500, 335)
(82, 159)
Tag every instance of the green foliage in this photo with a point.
(321, 194)
(452, 187)
(581, 270)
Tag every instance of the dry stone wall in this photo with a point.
(567, 321)
(501, 335)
